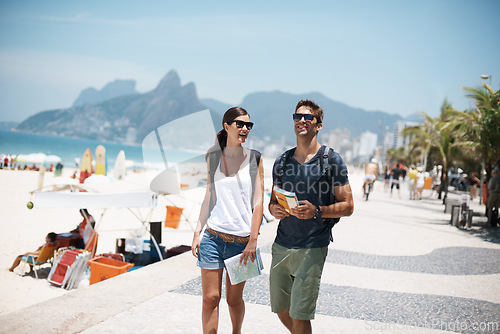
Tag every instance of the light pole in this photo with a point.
(483, 170)
(486, 76)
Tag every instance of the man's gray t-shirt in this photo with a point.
(307, 181)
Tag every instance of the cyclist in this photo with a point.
(371, 173)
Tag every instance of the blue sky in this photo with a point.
(395, 56)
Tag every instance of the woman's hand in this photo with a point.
(249, 252)
(195, 247)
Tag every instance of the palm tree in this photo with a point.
(397, 155)
(434, 133)
(479, 128)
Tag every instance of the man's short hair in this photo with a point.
(313, 107)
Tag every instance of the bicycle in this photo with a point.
(368, 189)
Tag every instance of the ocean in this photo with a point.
(69, 149)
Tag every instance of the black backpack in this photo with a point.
(214, 158)
(326, 154)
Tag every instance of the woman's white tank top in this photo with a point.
(232, 212)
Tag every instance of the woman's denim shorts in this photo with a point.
(213, 251)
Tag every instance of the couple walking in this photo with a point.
(231, 215)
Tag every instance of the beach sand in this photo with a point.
(23, 230)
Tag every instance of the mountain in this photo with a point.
(213, 104)
(132, 116)
(272, 115)
(112, 119)
(108, 92)
(415, 117)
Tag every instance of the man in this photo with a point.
(304, 233)
(84, 229)
(472, 184)
(493, 198)
(371, 172)
(397, 173)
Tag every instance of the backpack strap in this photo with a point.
(326, 167)
(254, 170)
(213, 160)
(282, 163)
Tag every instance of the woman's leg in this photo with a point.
(234, 297)
(211, 284)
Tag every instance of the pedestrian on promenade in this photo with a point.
(412, 175)
(300, 248)
(420, 183)
(387, 178)
(473, 183)
(232, 214)
(397, 173)
(493, 199)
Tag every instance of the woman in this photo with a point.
(232, 226)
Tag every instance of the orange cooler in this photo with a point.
(102, 268)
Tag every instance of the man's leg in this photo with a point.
(286, 320)
(17, 261)
(280, 284)
(301, 327)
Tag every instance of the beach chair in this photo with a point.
(76, 271)
(36, 261)
(62, 264)
(91, 245)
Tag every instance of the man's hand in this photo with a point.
(278, 211)
(305, 210)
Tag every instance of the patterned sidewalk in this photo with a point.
(396, 266)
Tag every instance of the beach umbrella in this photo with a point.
(38, 158)
(97, 179)
(64, 180)
(52, 159)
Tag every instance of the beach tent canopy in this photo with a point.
(38, 158)
(136, 199)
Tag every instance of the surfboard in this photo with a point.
(119, 170)
(100, 160)
(86, 165)
(41, 175)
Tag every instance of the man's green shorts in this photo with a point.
(294, 280)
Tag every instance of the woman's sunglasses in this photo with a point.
(307, 117)
(239, 124)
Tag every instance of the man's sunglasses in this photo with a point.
(307, 117)
(239, 124)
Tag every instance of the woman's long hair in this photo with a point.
(229, 116)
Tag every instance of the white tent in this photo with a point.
(136, 199)
(88, 200)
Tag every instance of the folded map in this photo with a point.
(285, 198)
(239, 272)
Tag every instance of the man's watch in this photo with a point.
(318, 213)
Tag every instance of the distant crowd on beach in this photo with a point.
(8, 161)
